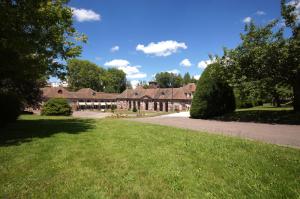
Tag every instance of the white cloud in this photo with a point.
(117, 63)
(98, 58)
(204, 63)
(132, 72)
(247, 20)
(134, 83)
(296, 3)
(174, 71)
(185, 63)
(162, 48)
(82, 15)
(197, 77)
(115, 49)
(260, 13)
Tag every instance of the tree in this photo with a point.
(187, 78)
(85, 74)
(290, 15)
(35, 34)
(143, 84)
(213, 96)
(56, 106)
(114, 81)
(265, 55)
(168, 80)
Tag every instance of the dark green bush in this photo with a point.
(134, 109)
(11, 108)
(213, 96)
(56, 106)
(113, 108)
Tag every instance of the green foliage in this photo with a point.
(213, 96)
(85, 74)
(143, 84)
(56, 106)
(134, 109)
(11, 107)
(168, 80)
(188, 79)
(34, 35)
(113, 108)
(114, 81)
(265, 55)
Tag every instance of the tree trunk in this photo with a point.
(296, 92)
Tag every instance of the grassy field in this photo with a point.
(61, 157)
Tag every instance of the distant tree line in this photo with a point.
(85, 74)
(168, 80)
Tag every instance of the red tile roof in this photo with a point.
(85, 93)
(159, 93)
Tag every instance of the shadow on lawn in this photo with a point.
(25, 130)
(263, 116)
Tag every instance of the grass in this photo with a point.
(61, 157)
(263, 114)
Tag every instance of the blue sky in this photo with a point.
(143, 37)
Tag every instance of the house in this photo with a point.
(152, 99)
(82, 99)
(157, 99)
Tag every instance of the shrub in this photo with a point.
(56, 106)
(213, 96)
(134, 109)
(113, 108)
(11, 108)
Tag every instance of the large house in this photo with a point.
(85, 98)
(153, 98)
(157, 99)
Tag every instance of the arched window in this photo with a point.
(59, 91)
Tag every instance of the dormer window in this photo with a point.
(136, 94)
(59, 91)
(93, 93)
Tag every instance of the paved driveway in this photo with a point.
(91, 114)
(276, 134)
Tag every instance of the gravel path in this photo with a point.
(91, 114)
(288, 135)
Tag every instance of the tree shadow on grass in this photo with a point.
(25, 130)
(263, 116)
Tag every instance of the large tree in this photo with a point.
(85, 74)
(291, 17)
(114, 81)
(265, 55)
(36, 36)
(168, 80)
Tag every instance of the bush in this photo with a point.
(134, 109)
(213, 96)
(11, 108)
(56, 106)
(113, 108)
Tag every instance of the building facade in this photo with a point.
(150, 99)
(82, 99)
(157, 99)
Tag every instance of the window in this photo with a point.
(59, 91)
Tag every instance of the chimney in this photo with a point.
(153, 84)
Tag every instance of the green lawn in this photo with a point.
(61, 157)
